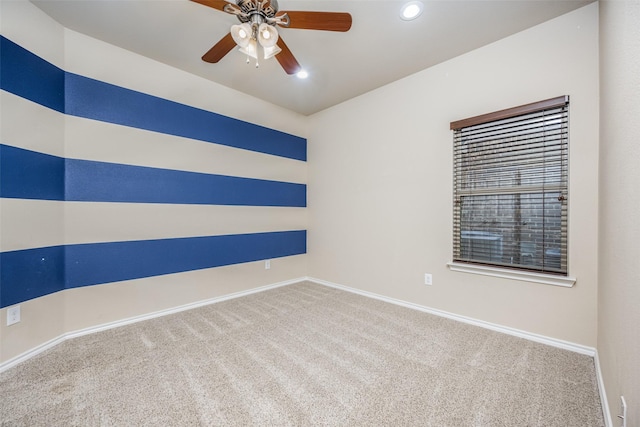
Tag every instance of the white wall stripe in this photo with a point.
(92, 140)
(18, 21)
(27, 223)
(29, 125)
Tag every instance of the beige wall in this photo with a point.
(380, 179)
(38, 223)
(37, 129)
(619, 279)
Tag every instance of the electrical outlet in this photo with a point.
(13, 315)
(623, 411)
(428, 279)
(267, 264)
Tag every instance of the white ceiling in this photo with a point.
(378, 49)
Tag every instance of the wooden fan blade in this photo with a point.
(327, 21)
(286, 58)
(217, 52)
(216, 4)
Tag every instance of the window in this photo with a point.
(510, 188)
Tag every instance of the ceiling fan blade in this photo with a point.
(327, 21)
(216, 4)
(217, 52)
(286, 58)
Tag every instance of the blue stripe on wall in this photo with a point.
(109, 182)
(31, 77)
(33, 273)
(97, 100)
(28, 174)
(30, 273)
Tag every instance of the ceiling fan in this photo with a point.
(257, 29)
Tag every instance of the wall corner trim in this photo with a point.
(606, 412)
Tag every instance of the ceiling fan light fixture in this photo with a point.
(302, 74)
(267, 35)
(411, 10)
(241, 34)
(251, 49)
(271, 51)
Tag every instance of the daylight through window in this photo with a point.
(510, 187)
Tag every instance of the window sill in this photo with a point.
(527, 276)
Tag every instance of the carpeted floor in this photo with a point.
(301, 355)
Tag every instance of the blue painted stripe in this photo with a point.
(32, 273)
(29, 76)
(97, 100)
(109, 182)
(28, 174)
(33, 78)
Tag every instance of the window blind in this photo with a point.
(510, 187)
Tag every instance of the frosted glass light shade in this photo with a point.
(241, 34)
(267, 35)
(251, 49)
(271, 51)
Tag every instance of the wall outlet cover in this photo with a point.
(13, 315)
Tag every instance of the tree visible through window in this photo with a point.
(510, 187)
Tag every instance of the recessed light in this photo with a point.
(411, 10)
(302, 74)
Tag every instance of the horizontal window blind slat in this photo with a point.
(514, 132)
(488, 191)
(549, 115)
(526, 141)
(496, 135)
(530, 162)
(510, 191)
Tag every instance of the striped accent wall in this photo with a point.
(143, 186)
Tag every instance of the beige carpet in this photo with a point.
(301, 355)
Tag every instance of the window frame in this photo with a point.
(499, 269)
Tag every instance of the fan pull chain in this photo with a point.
(257, 52)
(257, 64)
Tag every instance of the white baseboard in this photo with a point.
(102, 327)
(578, 348)
(606, 412)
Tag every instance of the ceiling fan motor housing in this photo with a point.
(250, 8)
